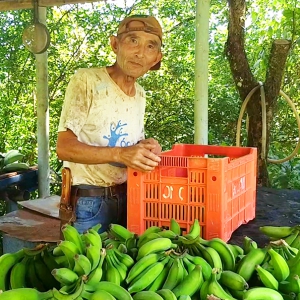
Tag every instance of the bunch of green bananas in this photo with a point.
(291, 234)
(27, 272)
(10, 162)
(161, 263)
(120, 237)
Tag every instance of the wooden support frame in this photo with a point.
(28, 4)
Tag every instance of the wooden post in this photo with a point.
(201, 72)
(43, 116)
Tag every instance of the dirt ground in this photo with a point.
(273, 207)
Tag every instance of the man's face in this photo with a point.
(137, 51)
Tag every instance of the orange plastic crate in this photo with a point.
(214, 184)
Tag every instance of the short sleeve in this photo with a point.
(76, 103)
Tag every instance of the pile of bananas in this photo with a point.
(11, 162)
(159, 264)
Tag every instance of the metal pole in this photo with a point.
(201, 72)
(42, 117)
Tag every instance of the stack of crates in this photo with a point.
(214, 184)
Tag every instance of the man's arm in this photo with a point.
(140, 157)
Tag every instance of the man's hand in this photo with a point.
(157, 149)
(142, 156)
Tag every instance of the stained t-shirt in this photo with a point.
(101, 114)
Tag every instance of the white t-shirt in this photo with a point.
(101, 114)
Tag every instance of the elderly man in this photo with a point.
(101, 129)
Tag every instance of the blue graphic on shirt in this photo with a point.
(116, 134)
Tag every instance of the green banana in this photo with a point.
(122, 269)
(236, 250)
(236, 294)
(276, 232)
(190, 284)
(290, 285)
(227, 256)
(92, 237)
(26, 293)
(294, 261)
(111, 273)
(292, 237)
(57, 251)
(112, 243)
(49, 260)
(142, 264)
(78, 291)
(44, 274)
(101, 294)
(168, 233)
(115, 290)
(16, 166)
(296, 242)
(249, 244)
(131, 242)
(97, 227)
(12, 156)
(18, 274)
(82, 265)
(71, 234)
(289, 252)
(175, 275)
(32, 278)
(246, 265)
(148, 277)
(280, 267)
(194, 232)
(151, 229)
(198, 260)
(124, 258)
(211, 256)
(147, 238)
(123, 249)
(166, 294)
(161, 278)
(156, 245)
(62, 261)
(215, 288)
(233, 280)
(263, 293)
(184, 297)
(65, 276)
(120, 232)
(93, 254)
(188, 264)
(204, 290)
(175, 227)
(70, 250)
(7, 261)
(267, 278)
(147, 295)
(96, 275)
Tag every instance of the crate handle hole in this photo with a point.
(214, 178)
(135, 174)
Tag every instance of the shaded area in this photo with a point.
(273, 207)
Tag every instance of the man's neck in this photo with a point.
(125, 82)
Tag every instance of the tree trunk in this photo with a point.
(245, 82)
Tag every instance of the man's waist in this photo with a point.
(98, 191)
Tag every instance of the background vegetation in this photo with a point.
(80, 38)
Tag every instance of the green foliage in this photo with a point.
(80, 38)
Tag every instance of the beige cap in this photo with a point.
(151, 25)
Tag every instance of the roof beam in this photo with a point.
(27, 4)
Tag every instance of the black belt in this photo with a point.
(98, 191)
